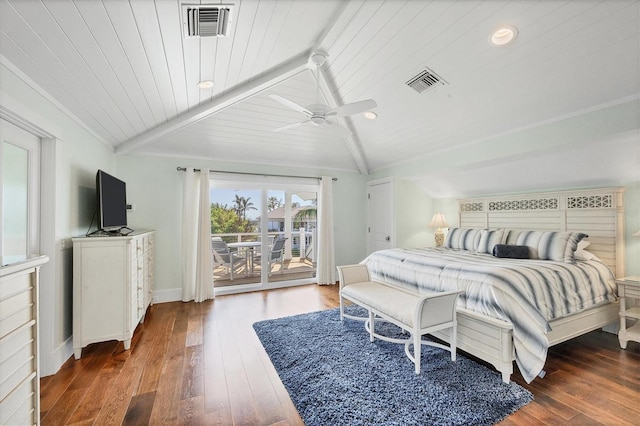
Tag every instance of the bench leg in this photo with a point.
(341, 309)
(452, 341)
(417, 349)
(372, 321)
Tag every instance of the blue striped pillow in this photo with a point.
(489, 238)
(551, 245)
(463, 238)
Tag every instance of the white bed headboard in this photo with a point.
(596, 212)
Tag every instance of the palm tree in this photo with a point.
(273, 203)
(246, 205)
(238, 205)
(305, 215)
(243, 204)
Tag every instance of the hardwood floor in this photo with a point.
(203, 364)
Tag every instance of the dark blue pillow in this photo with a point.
(511, 251)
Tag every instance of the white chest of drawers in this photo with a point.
(112, 287)
(19, 378)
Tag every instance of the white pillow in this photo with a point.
(584, 255)
(583, 244)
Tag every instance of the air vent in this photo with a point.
(205, 21)
(425, 81)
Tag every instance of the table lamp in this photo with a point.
(438, 221)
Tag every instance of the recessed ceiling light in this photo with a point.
(205, 84)
(370, 115)
(504, 35)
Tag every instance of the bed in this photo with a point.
(513, 309)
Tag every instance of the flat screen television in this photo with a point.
(112, 203)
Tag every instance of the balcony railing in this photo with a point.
(300, 243)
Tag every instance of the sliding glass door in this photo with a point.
(265, 231)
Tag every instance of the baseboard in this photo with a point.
(50, 364)
(175, 294)
(165, 296)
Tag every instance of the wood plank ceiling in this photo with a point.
(125, 71)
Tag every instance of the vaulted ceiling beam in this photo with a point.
(353, 141)
(241, 92)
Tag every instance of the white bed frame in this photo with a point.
(596, 212)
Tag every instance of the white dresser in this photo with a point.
(112, 287)
(19, 378)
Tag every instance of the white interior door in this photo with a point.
(19, 191)
(381, 233)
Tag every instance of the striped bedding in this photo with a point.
(527, 293)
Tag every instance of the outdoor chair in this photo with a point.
(276, 254)
(222, 256)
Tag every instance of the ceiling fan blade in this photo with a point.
(352, 108)
(290, 126)
(294, 106)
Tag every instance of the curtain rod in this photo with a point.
(184, 169)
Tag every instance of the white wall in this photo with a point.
(154, 186)
(77, 154)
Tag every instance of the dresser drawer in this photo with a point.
(18, 407)
(629, 291)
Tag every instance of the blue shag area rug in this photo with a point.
(335, 376)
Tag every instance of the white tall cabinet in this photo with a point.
(19, 378)
(112, 287)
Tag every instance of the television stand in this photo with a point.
(112, 287)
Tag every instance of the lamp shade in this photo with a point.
(438, 221)
(637, 234)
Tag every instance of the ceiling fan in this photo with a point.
(317, 114)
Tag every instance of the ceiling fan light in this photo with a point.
(503, 35)
(317, 59)
(370, 115)
(205, 84)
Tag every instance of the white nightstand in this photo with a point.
(629, 288)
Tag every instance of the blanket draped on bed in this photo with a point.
(527, 293)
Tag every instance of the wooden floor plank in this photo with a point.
(203, 364)
(265, 400)
(239, 391)
(95, 397)
(194, 325)
(216, 396)
(64, 408)
(192, 380)
(164, 317)
(168, 392)
(139, 410)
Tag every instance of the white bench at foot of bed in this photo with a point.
(415, 313)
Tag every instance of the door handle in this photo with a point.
(388, 238)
